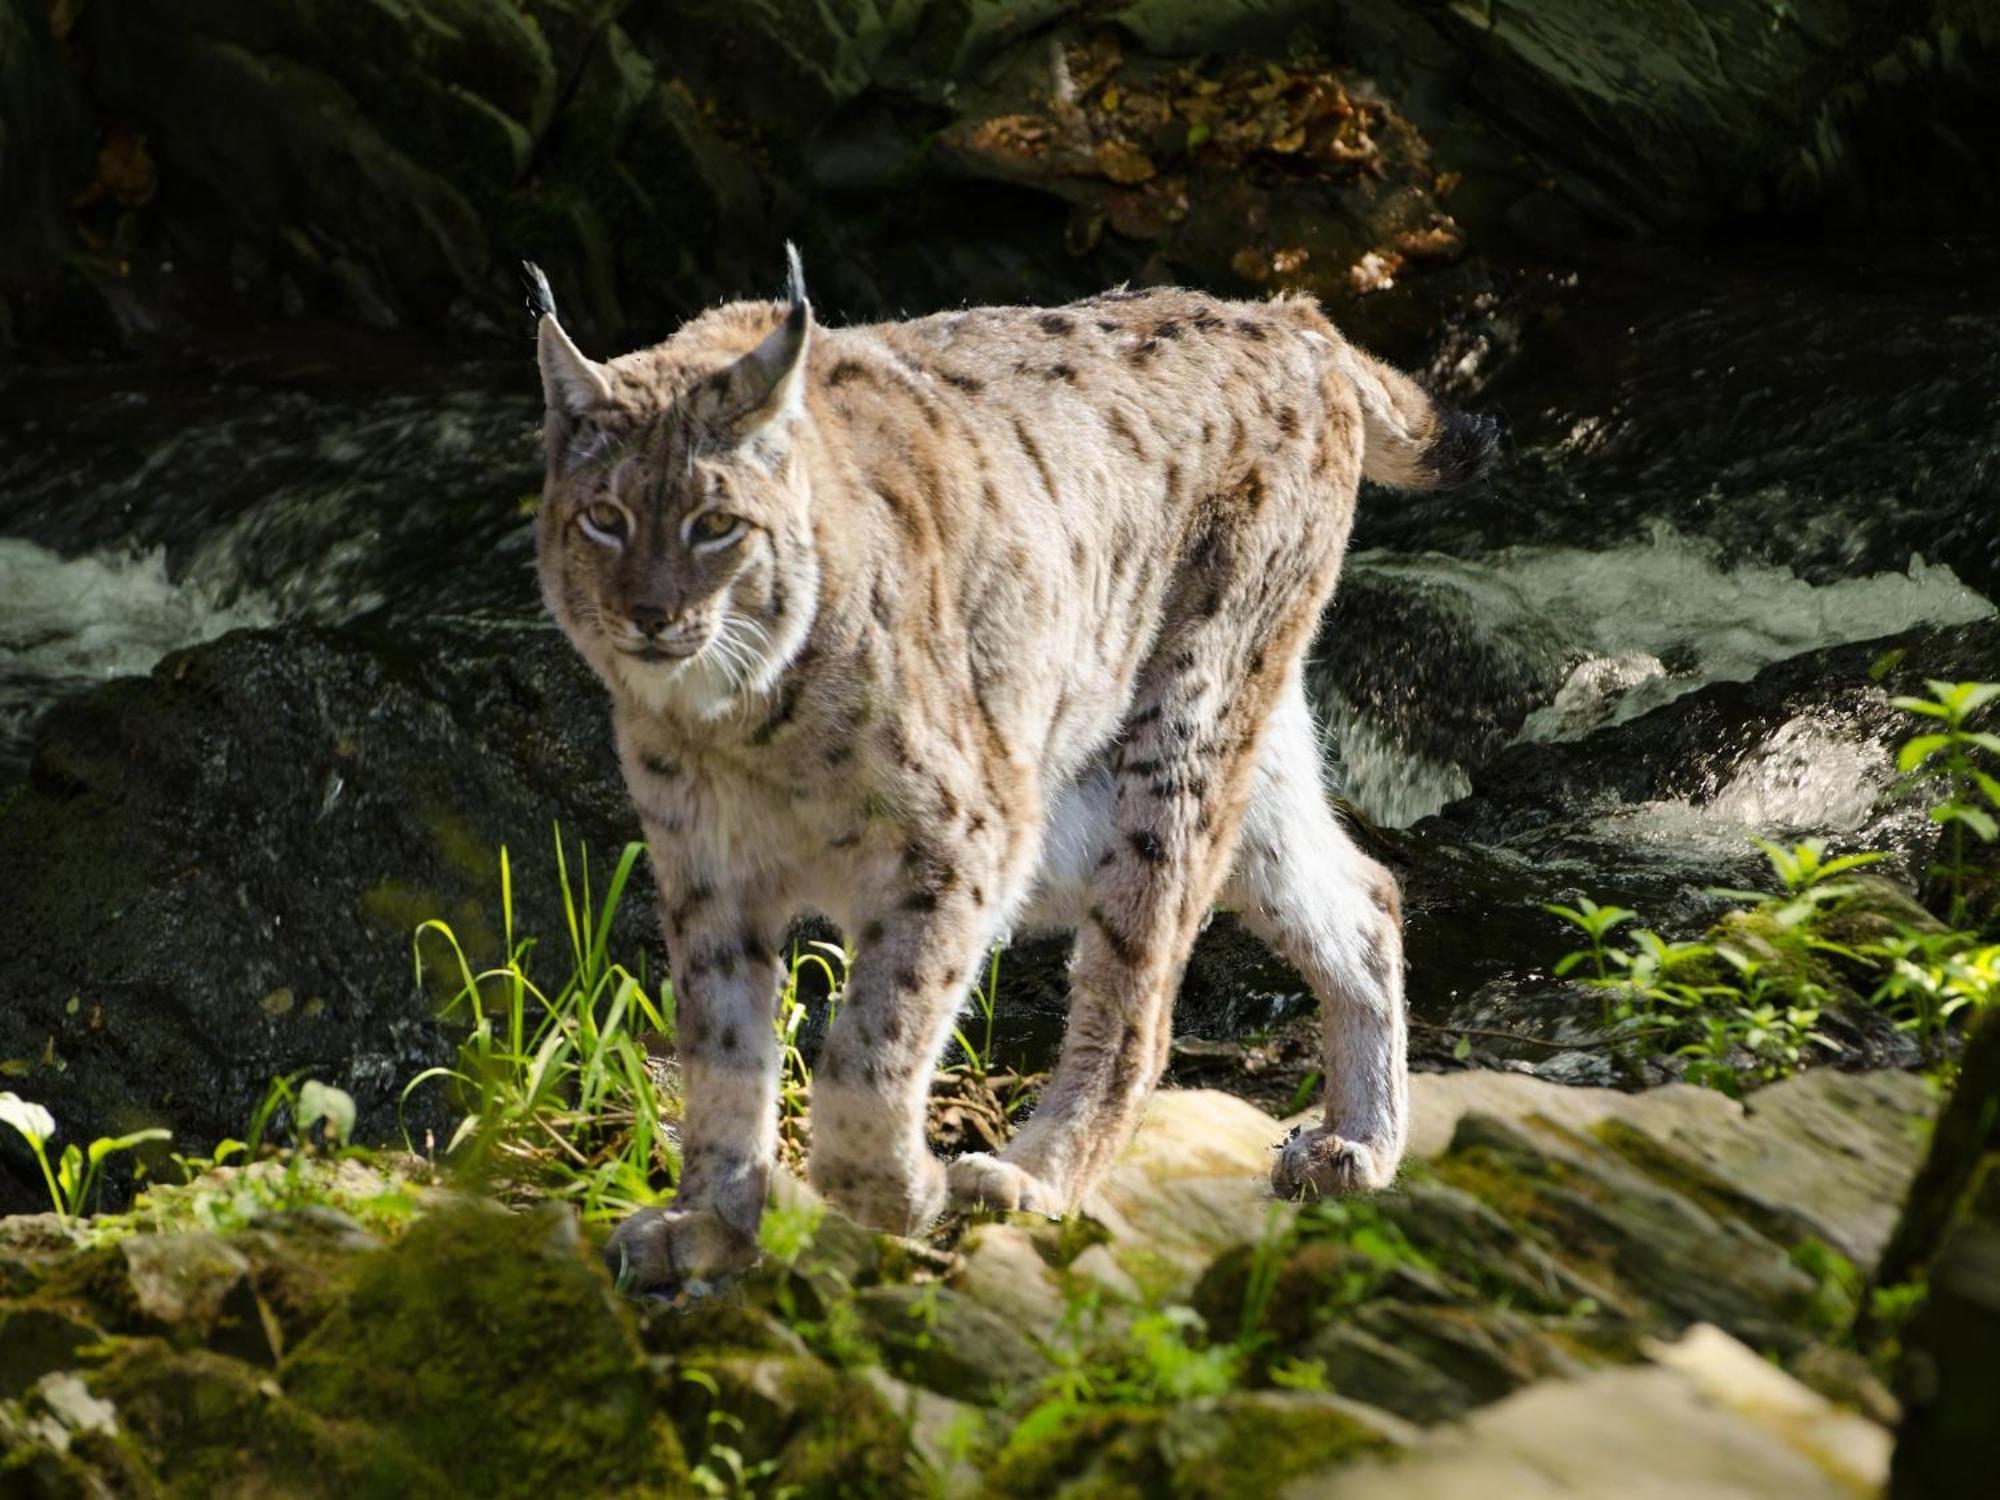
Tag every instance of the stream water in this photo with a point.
(1710, 468)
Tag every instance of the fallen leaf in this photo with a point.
(1124, 162)
(1251, 264)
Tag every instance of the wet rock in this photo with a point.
(281, 810)
(1655, 812)
(1644, 114)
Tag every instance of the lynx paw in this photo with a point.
(660, 1252)
(1321, 1163)
(982, 1181)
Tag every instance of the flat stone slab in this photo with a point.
(1829, 1153)
(1707, 1418)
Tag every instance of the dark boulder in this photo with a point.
(214, 872)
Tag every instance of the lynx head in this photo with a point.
(675, 546)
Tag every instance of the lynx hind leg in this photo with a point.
(1303, 887)
(1180, 780)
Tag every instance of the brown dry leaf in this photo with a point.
(1289, 141)
(1439, 241)
(1124, 162)
(1024, 136)
(1251, 264)
(1289, 259)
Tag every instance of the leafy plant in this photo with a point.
(72, 1179)
(1743, 1007)
(984, 998)
(1972, 795)
(794, 1072)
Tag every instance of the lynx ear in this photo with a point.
(767, 385)
(571, 384)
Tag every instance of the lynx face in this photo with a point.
(675, 548)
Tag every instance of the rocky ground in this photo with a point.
(1572, 1292)
(262, 366)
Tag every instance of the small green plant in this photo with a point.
(557, 1096)
(1972, 796)
(794, 1072)
(1742, 1008)
(72, 1179)
(984, 998)
(1931, 977)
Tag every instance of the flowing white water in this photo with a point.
(1638, 626)
(68, 622)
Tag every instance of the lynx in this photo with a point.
(956, 626)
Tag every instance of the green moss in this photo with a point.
(1254, 1444)
(200, 1424)
(489, 1346)
(810, 1429)
(1082, 1453)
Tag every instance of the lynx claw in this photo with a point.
(982, 1181)
(665, 1252)
(1322, 1163)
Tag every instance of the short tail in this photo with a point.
(1409, 440)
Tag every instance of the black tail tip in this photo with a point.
(1461, 450)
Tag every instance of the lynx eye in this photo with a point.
(714, 526)
(604, 522)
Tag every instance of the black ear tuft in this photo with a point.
(541, 301)
(795, 278)
(1461, 447)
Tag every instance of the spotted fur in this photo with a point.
(1006, 631)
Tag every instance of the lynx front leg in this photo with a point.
(726, 979)
(872, 1084)
(871, 1089)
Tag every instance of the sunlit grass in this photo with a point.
(560, 1097)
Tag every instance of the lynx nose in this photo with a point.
(651, 619)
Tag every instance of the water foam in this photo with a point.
(70, 622)
(1640, 625)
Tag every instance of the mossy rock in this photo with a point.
(37, 1340)
(1253, 1442)
(1314, 1282)
(825, 1431)
(491, 1346)
(946, 1342)
(1246, 1443)
(199, 1424)
(1091, 1453)
(1654, 1247)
